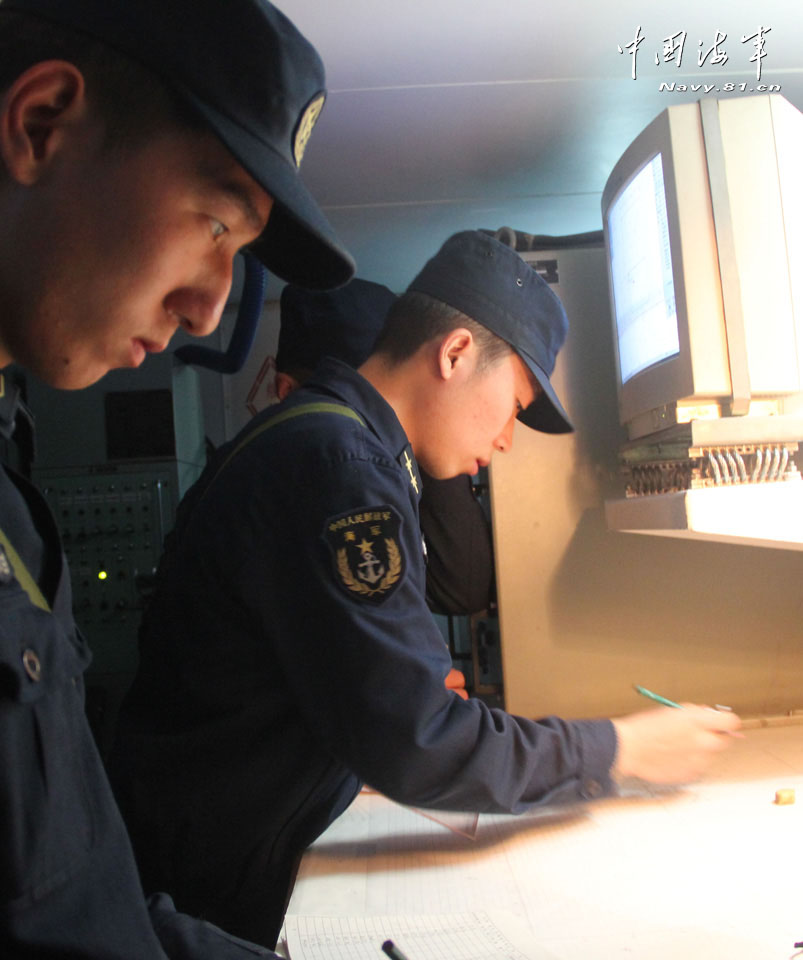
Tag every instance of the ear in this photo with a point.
(36, 112)
(455, 352)
(284, 384)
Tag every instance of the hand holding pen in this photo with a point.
(672, 746)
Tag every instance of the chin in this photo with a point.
(445, 473)
(72, 377)
(441, 470)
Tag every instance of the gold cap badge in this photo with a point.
(304, 130)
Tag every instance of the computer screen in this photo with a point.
(701, 219)
(641, 272)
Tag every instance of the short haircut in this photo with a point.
(416, 318)
(132, 101)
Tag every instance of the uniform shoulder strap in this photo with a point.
(302, 409)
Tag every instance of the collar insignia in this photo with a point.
(407, 460)
(6, 570)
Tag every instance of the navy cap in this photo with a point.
(259, 85)
(490, 283)
(342, 323)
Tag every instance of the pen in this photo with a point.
(671, 703)
(390, 948)
(655, 696)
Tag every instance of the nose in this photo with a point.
(504, 442)
(199, 325)
(199, 307)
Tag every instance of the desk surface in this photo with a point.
(713, 870)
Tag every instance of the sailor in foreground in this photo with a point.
(142, 144)
(289, 655)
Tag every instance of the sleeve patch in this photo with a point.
(367, 559)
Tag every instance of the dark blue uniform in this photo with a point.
(68, 881)
(289, 655)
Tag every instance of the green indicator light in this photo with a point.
(102, 575)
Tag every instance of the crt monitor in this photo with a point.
(703, 223)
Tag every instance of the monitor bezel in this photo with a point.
(699, 371)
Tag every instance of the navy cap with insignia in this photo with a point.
(258, 84)
(488, 281)
(341, 323)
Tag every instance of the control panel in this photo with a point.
(113, 462)
(113, 520)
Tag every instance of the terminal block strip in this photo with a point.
(659, 469)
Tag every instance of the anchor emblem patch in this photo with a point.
(366, 552)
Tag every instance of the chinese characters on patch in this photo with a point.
(715, 54)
